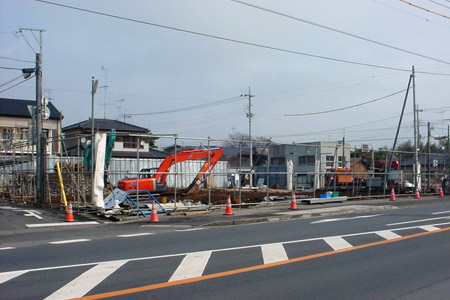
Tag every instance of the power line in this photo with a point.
(17, 84)
(435, 2)
(339, 31)
(15, 59)
(219, 102)
(21, 33)
(227, 39)
(425, 9)
(8, 82)
(408, 13)
(344, 108)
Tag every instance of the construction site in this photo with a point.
(205, 178)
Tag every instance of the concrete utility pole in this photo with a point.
(416, 156)
(250, 116)
(93, 91)
(40, 139)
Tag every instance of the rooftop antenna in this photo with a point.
(105, 87)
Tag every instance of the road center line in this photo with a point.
(273, 252)
(249, 269)
(224, 249)
(192, 265)
(417, 221)
(441, 212)
(337, 243)
(135, 234)
(70, 241)
(7, 248)
(81, 285)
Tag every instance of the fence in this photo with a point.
(311, 168)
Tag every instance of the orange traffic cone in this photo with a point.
(293, 201)
(154, 214)
(228, 209)
(417, 194)
(441, 192)
(69, 213)
(392, 195)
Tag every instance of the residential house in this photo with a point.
(17, 126)
(128, 136)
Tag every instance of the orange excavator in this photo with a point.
(157, 180)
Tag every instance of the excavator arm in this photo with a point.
(168, 162)
(158, 180)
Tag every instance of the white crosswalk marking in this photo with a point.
(4, 277)
(192, 265)
(337, 242)
(81, 285)
(273, 253)
(429, 228)
(387, 234)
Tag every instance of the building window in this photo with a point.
(306, 160)
(129, 142)
(330, 161)
(278, 161)
(6, 134)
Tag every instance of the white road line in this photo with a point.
(135, 234)
(388, 235)
(4, 277)
(441, 212)
(192, 265)
(70, 241)
(61, 224)
(7, 207)
(7, 248)
(190, 229)
(273, 253)
(81, 285)
(344, 219)
(337, 242)
(32, 213)
(443, 224)
(417, 221)
(429, 228)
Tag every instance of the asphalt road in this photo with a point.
(391, 254)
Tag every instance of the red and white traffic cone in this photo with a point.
(154, 213)
(417, 194)
(441, 192)
(69, 213)
(393, 195)
(229, 208)
(293, 201)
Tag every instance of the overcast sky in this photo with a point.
(192, 83)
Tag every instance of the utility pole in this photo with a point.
(428, 157)
(250, 116)
(40, 139)
(416, 157)
(93, 91)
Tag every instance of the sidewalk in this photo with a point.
(279, 210)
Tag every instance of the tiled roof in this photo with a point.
(19, 108)
(106, 125)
